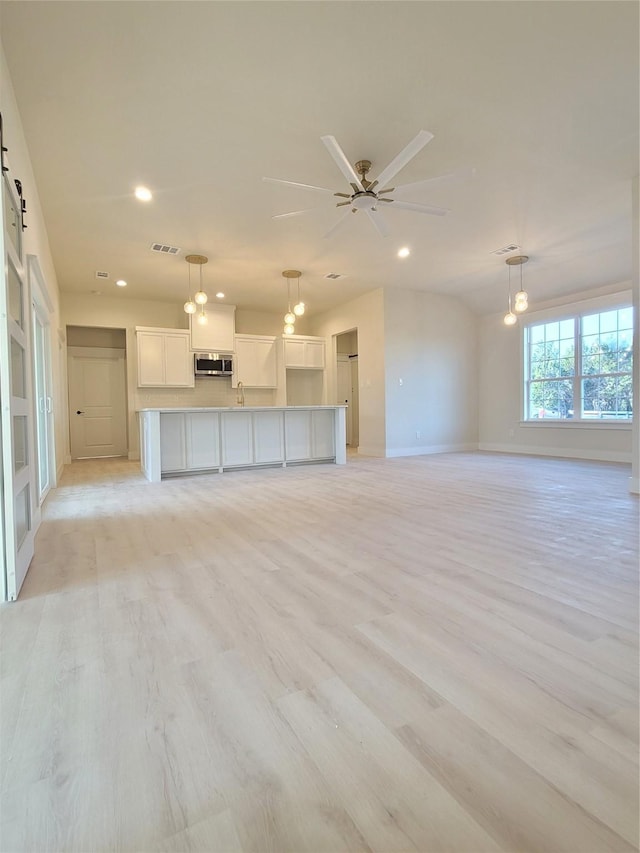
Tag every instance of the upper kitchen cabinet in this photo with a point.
(255, 362)
(302, 351)
(217, 334)
(164, 358)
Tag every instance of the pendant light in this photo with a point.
(200, 298)
(521, 302)
(290, 316)
(190, 306)
(298, 308)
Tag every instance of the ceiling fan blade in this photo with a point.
(337, 225)
(420, 208)
(458, 175)
(341, 161)
(407, 153)
(378, 221)
(299, 186)
(294, 213)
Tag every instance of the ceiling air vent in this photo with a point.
(164, 249)
(505, 250)
(334, 275)
(100, 274)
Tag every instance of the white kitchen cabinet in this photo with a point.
(173, 447)
(303, 352)
(309, 434)
(164, 358)
(237, 438)
(268, 437)
(217, 334)
(202, 430)
(189, 441)
(215, 439)
(255, 362)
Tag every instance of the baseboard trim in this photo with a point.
(363, 450)
(562, 452)
(634, 485)
(430, 449)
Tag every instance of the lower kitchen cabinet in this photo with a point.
(203, 440)
(309, 434)
(189, 441)
(173, 445)
(211, 439)
(237, 438)
(268, 438)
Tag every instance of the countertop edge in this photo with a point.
(177, 409)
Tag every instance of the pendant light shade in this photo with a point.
(200, 298)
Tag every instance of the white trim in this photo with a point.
(378, 452)
(579, 307)
(634, 485)
(430, 449)
(563, 452)
(569, 423)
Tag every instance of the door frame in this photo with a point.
(41, 311)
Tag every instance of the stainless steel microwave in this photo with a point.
(212, 364)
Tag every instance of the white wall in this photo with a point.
(35, 239)
(500, 403)
(430, 344)
(366, 313)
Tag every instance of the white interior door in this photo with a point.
(19, 483)
(344, 391)
(97, 403)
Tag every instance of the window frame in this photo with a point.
(574, 311)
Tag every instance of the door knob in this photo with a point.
(79, 412)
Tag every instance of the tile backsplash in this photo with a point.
(209, 391)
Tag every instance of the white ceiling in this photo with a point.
(200, 100)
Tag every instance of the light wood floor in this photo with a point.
(428, 654)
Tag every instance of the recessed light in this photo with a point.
(404, 252)
(143, 194)
(220, 295)
(121, 282)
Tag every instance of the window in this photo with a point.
(580, 367)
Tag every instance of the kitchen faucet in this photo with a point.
(240, 394)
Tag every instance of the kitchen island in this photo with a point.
(195, 440)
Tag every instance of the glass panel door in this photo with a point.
(18, 472)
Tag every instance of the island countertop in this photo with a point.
(190, 439)
(237, 408)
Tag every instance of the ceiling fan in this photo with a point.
(365, 194)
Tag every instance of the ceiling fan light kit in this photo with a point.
(521, 300)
